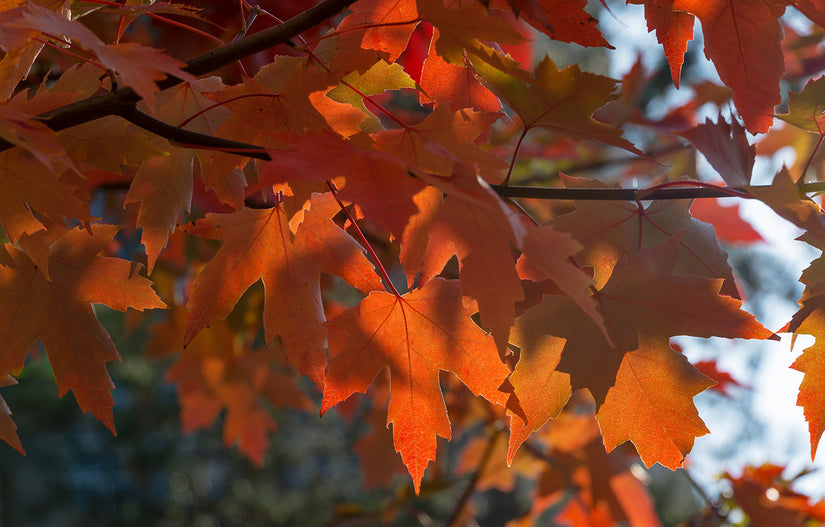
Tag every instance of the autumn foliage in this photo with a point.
(365, 162)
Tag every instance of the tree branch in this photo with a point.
(629, 194)
(470, 489)
(117, 102)
(190, 139)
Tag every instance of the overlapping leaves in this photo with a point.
(522, 316)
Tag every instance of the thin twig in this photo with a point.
(810, 159)
(474, 479)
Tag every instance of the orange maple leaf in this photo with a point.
(443, 138)
(217, 372)
(415, 336)
(726, 221)
(726, 148)
(26, 183)
(481, 233)
(8, 429)
(56, 307)
(162, 184)
(258, 245)
(136, 65)
(643, 305)
(457, 85)
(784, 198)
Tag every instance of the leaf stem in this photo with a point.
(515, 153)
(801, 179)
(384, 274)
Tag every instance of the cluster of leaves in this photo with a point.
(370, 145)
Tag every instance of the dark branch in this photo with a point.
(187, 138)
(629, 194)
(280, 34)
(119, 101)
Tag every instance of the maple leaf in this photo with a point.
(610, 229)
(457, 28)
(20, 129)
(415, 336)
(278, 95)
(651, 404)
(563, 20)
(726, 148)
(749, 492)
(724, 380)
(742, 38)
(561, 101)
(784, 197)
(56, 307)
(377, 182)
(643, 304)
(542, 389)
(258, 244)
(607, 491)
(75, 83)
(673, 31)
(809, 320)
(548, 253)
(455, 84)
(726, 221)
(805, 108)
(25, 184)
(387, 24)
(8, 430)
(136, 65)
(109, 144)
(481, 233)
(379, 78)
(162, 185)
(216, 372)
(416, 234)
(440, 140)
